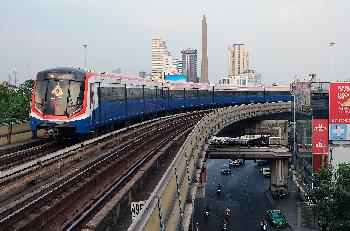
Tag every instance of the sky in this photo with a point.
(285, 37)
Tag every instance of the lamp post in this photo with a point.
(331, 44)
(85, 45)
(292, 90)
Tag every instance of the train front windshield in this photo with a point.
(59, 94)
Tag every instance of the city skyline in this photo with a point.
(287, 37)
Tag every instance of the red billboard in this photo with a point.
(319, 143)
(319, 136)
(339, 103)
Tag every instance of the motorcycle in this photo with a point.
(263, 225)
(227, 213)
(224, 226)
(218, 191)
(206, 211)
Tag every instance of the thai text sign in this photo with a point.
(320, 136)
(339, 111)
(319, 143)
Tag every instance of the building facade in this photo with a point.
(159, 52)
(238, 59)
(117, 71)
(248, 78)
(189, 64)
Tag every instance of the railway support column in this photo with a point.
(279, 176)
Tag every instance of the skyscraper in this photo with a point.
(189, 64)
(204, 66)
(158, 53)
(238, 59)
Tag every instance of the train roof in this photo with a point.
(65, 70)
(170, 84)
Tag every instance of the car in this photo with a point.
(277, 218)
(261, 162)
(265, 172)
(225, 169)
(236, 162)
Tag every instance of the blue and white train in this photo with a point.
(81, 101)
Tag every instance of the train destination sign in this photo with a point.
(339, 111)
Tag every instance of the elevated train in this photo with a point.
(80, 101)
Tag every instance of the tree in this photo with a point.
(332, 197)
(15, 102)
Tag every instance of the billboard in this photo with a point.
(339, 111)
(319, 143)
(302, 93)
(181, 78)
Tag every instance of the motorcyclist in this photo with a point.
(196, 227)
(207, 210)
(224, 226)
(227, 213)
(263, 225)
(219, 187)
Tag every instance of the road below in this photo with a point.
(244, 193)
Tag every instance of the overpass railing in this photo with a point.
(170, 206)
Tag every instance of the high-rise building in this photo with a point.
(238, 59)
(248, 78)
(162, 61)
(158, 56)
(142, 74)
(117, 71)
(189, 64)
(204, 64)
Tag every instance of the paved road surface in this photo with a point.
(244, 192)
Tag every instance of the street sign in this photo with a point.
(339, 111)
(136, 208)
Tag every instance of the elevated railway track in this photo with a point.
(68, 186)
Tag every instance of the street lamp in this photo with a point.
(331, 44)
(85, 45)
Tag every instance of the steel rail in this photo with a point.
(75, 224)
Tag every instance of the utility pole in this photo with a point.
(85, 45)
(331, 44)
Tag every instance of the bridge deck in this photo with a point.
(247, 153)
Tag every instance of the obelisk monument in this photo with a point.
(204, 65)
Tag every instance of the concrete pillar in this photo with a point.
(279, 175)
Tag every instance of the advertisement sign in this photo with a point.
(319, 143)
(302, 92)
(339, 111)
(319, 136)
(179, 78)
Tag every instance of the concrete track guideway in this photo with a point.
(170, 206)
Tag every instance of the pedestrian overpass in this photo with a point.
(171, 204)
(277, 157)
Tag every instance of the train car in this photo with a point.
(73, 100)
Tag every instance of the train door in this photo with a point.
(95, 101)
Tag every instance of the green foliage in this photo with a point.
(15, 102)
(332, 197)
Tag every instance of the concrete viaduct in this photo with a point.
(170, 206)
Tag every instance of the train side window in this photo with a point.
(76, 93)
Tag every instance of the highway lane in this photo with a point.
(244, 193)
